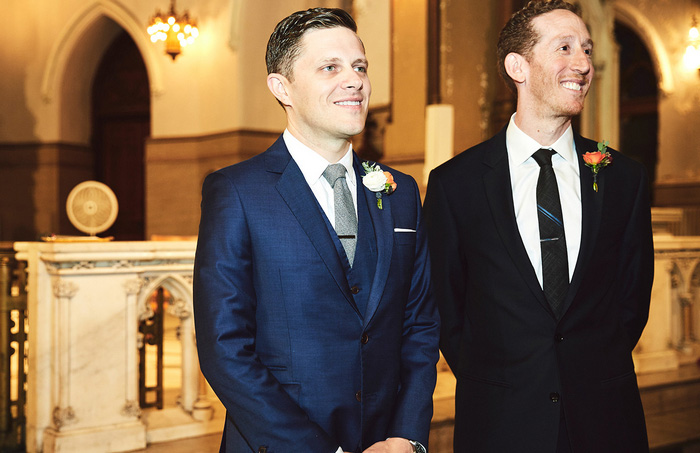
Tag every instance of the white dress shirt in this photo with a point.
(524, 172)
(312, 166)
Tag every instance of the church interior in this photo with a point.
(98, 352)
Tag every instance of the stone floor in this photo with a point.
(671, 401)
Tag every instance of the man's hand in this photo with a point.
(391, 445)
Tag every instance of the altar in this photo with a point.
(85, 301)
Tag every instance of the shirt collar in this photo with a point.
(312, 164)
(521, 146)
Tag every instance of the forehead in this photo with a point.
(560, 24)
(335, 42)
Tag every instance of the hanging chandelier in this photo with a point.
(177, 30)
(692, 52)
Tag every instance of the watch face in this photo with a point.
(417, 447)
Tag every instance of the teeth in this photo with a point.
(348, 103)
(572, 86)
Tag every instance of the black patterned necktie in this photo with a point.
(555, 267)
(345, 217)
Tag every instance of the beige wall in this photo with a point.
(469, 35)
(211, 106)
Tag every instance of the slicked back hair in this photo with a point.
(284, 45)
(519, 35)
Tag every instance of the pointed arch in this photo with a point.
(630, 15)
(81, 22)
(178, 285)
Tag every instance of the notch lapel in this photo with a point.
(298, 196)
(384, 235)
(591, 214)
(499, 195)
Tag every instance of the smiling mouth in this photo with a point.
(572, 86)
(348, 103)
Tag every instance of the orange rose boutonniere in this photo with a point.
(598, 160)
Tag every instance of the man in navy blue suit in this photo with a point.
(543, 258)
(315, 320)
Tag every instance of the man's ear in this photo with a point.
(516, 67)
(277, 83)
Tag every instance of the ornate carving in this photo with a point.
(133, 287)
(83, 265)
(122, 264)
(676, 278)
(145, 311)
(686, 263)
(63, 417)
(64, 288)
(131, 409)
(179, 308)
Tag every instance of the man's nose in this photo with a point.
(581, 62)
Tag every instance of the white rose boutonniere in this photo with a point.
(378, 181)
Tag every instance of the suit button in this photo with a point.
(554, 397)
(559, 338)
(364, 339)
(354, 290)
(358, 395)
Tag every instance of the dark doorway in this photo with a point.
(121, 121)
(639, 103)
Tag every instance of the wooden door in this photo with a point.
(121, 123)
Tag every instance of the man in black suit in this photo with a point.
(542, 258)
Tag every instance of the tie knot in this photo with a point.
(333, 172)
(543, 157)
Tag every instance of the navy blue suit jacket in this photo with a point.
(280, 338)
(518, 365)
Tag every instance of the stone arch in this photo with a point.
(629, 15)
(177, 285)
(180, 287)
(71, 38)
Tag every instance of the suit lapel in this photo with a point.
(591, 214)
(384, 234)
(294, 190)
(499, 195)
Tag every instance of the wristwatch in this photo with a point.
(417, 447)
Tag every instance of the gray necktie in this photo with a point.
(555, 267)
(345, 218)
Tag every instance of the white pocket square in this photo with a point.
(404, 230)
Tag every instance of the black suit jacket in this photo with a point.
(517, 366)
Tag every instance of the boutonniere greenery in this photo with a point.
(598, 160)
(378, 181)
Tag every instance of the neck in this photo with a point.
(545, 131)
(331, 149)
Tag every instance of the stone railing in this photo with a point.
(672, 333)
(85, 302)
(86, 299)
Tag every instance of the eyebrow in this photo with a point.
(336, 60)
(569, 38)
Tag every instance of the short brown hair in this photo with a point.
(519, 36)
(284, 44)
